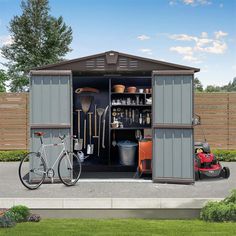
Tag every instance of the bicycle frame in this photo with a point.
(42, 151)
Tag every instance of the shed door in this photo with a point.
(172, 126)
(50, 110)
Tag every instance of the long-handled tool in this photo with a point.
(80, 140)
(95, 121)
(103, 127)
(85, 103)
(90, 146)
(114, 139)
(100, 112)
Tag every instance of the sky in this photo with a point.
(198, 33)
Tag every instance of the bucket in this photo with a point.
(127, 152)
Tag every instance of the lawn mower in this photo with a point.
(206, 164)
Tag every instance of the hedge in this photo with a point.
(222, 211)
(221, 155)
(225, 155)
(15, 155)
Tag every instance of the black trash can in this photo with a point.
(127, 152)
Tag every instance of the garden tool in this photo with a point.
(103, 127)
(86, 89)
(100, 112)
(90, 146)
(85, 103)
(79, 144)
(95, 121)
(114, 139)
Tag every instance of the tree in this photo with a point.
(198, 87)
(37, 39)
(3, 79)
(213, 88)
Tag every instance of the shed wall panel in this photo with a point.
(172, 99)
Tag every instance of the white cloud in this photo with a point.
(182, 50)
(191, 58)
(219, 34)
(199, 45)
(143, 37)
(234, 67)
(182, 37)
(190, 2)
(146, 51)
(5, 40)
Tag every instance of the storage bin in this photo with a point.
(127, 152)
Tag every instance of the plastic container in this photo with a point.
(119, 88)
(127, 152)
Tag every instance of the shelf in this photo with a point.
(131, 128)
(145, 105)
(125, 93)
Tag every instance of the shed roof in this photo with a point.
(112, 61)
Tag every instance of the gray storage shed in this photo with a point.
(53, 106)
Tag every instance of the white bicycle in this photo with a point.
(34, 167)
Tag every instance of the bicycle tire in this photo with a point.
(24, 170)
(73, 169)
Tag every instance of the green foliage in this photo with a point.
(37, 39)
(12, 155)
(198, 87)
(220, 211)
(18, 213)
(225, 155)
(3, 79)
(6, 222)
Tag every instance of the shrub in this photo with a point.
(6, 222)
(34, 218)
(18, 213)
(225, 155)
(16, 155)
(224, 210)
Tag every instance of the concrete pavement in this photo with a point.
(11, 187)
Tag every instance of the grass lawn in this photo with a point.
(121, 227)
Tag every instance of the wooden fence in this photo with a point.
(13, 121)
(217, 111)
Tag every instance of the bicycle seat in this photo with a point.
(39, 133)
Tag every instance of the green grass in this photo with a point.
(61, 227)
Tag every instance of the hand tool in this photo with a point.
(80, 140)
(100, 112)
(85, 103)
(90, 146)
(103, 127)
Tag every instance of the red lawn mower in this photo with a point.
(206, 164)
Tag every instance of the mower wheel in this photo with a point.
(197, 175)
(225, 173)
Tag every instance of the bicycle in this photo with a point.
(34, 166)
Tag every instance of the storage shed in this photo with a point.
(162, 102)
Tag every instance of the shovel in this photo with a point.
(103, 127)
(80, 141)
(100, 112)
(90, 146)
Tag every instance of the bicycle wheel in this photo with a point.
(69, 169)
(32, 170)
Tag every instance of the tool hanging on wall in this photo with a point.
(85, 103)
(95, 121)
(90, 146)
(114, 139)
(103, 127)
(100, 112)
(86, 89)
(80, 141)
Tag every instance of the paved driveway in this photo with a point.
(10, 187)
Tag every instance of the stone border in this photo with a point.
(107, 203)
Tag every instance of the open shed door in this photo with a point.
(50, 110)
(173, 152)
